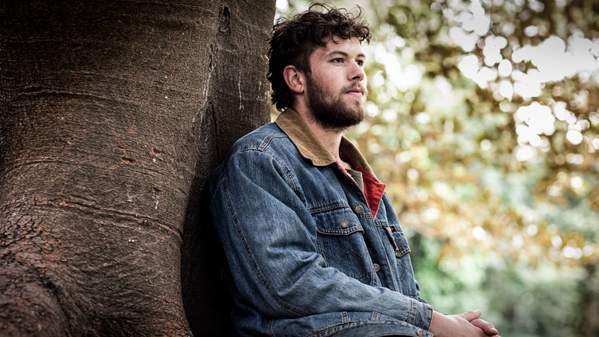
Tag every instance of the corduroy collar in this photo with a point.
(310, 147)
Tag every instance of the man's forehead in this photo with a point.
(338, 44)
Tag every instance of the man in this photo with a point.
(313, 245)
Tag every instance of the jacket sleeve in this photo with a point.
(269, 239)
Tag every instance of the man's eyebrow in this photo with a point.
(344, 54)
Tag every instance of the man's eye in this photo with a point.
(338, 60)
(360, 63)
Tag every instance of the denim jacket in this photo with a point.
(307, 255)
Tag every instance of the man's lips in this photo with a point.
(355, 92)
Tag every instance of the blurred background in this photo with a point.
(482, 120)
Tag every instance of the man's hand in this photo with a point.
(474, 318)
(466, 325)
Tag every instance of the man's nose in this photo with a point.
(356, 72)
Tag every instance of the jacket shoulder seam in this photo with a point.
(290, 178)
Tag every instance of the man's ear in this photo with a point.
(295, 79)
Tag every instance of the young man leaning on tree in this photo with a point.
(313, 245)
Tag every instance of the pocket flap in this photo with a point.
(396, 236)
(337, 222)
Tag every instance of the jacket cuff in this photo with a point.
(421, 314)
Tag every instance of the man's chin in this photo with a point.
(341, 124)
(338, 124)
(339, 115)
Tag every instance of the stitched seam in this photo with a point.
(328, 207)
(290, 178)
(335, 228)
(384, 223)
(288, 175)
(341, 232)
(340, 326)
(406, 249)
(382, 243)
(264, 144)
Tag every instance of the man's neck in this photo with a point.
(330, 139)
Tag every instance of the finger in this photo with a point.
(485, 326)
(470, 315)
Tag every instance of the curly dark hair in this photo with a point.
(294, 39)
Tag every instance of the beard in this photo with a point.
(330, 111)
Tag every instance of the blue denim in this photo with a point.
(305, 255)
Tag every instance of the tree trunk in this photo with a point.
(111, 116)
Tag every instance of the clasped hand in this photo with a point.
(468, 324)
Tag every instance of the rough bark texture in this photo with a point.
(238, 101)
(111, 116)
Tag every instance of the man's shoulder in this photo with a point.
(254, 152)
(268, 138)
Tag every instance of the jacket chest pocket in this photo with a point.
(340, 240)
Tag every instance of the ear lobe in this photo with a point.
(294, 79)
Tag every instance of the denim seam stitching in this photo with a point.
(288, 175)
(369, 217)
(265, 143)
(328, 207)
(341, 232)
(290, 178)
(351, 324)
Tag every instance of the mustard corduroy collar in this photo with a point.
(311, 148)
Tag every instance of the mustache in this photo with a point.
(355, 87)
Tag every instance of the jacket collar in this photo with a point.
(310, 147)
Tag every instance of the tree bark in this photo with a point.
(111, 116)
(237, 84)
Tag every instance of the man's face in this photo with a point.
(336, 84)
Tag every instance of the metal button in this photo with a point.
(376, 267)
(359, 209)
(344, 224)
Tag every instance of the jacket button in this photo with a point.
(344, 224)
(376, 267)
(359, 209)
